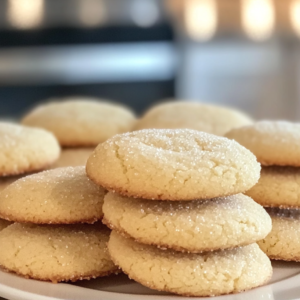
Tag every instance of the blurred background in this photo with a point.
(241, 53)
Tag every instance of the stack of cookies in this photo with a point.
(80, 124)
(277, 147)
(54, 238)
(24, 150)
(179, 221)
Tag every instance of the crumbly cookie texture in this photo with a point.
(189, 226)
(178, 164)
(81, 122)
(203, 117)
(73, 157)
(207, 274)
(283, 243)
(56, 252)
(4, 224)
(273, 142)
(25, 149)
(277, 187)
(59, 196)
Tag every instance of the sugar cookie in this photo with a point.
(277, 187)
(25, 149)
(81, 121)
(56, 252)
(207, 274)
(273, 142)
(58, 196)
(192, 226)
(178, 164)
(203, 117)
(283, 243)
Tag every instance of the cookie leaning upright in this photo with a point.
(81, 122)
(177, 164)
(25, 149)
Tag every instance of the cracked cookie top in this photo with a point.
(283, 243)
(203, 117)
(78, 122)
(188, 226)
(58, 196)
(175, 164)
(207, 274)
(273, 142)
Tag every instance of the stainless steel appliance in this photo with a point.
(242, 53)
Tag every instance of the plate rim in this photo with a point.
(9, 290)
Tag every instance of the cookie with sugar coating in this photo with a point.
(25, 150)
(207, 274)
(81, 122)
(56, 252)
(273, 142)
(277, 187)
(193, 115)
(283, 242)
(58, 196)
(188, 226)
(178, 164)
(73, 157)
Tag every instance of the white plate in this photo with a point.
(285, 285)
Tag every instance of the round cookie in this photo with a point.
(191, 226)
(4, 224)
(25, 149)
(58, 196)
(277, 187)
(178, 164)
(208, 274)
(273, 142)
(81, 123)
(73, 157)
(183, 114)
(56, 252)
(283, 243)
